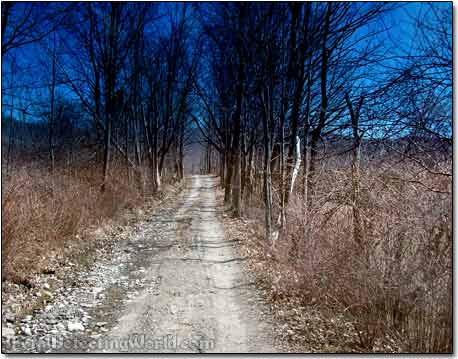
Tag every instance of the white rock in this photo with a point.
(26, 331)
(72, 326)
(97, 290)
(8, 332)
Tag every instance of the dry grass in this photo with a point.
(44, 214)
(395, 289)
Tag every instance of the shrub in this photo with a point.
(396, 287)
(42, 212)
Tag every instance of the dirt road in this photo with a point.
(175, 285)
(198, 299)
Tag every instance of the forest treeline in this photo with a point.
(348, 143)
(329, 123)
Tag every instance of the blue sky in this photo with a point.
(33, 62)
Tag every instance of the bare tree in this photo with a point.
(26, 23)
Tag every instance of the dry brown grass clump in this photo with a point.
(41, 212)
(395, 289)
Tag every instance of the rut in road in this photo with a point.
(196, 297)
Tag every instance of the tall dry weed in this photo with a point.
(42, 212)
(396, 287)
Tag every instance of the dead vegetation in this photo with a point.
(338, 154)
(45, 217)
(392, 293)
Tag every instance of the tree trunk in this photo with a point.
(155, 165)
(267, 180)
(51, 115)
(181, 153)
(12, 125)
(316, 133)
(355, 177)
(295, 173)
(355, 169)
(236, 143)
(282, 218)
(236, 157)
(249, 174)
(222, 168)
(228, 179)
(243, 164)
(306, 172)
(306, 147)
(110, 79)
(106, 154)
(299, 80)
(237, 186)
(138, 159)
(126, 144)
(297, 164)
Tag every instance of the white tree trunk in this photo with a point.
(297, 164)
